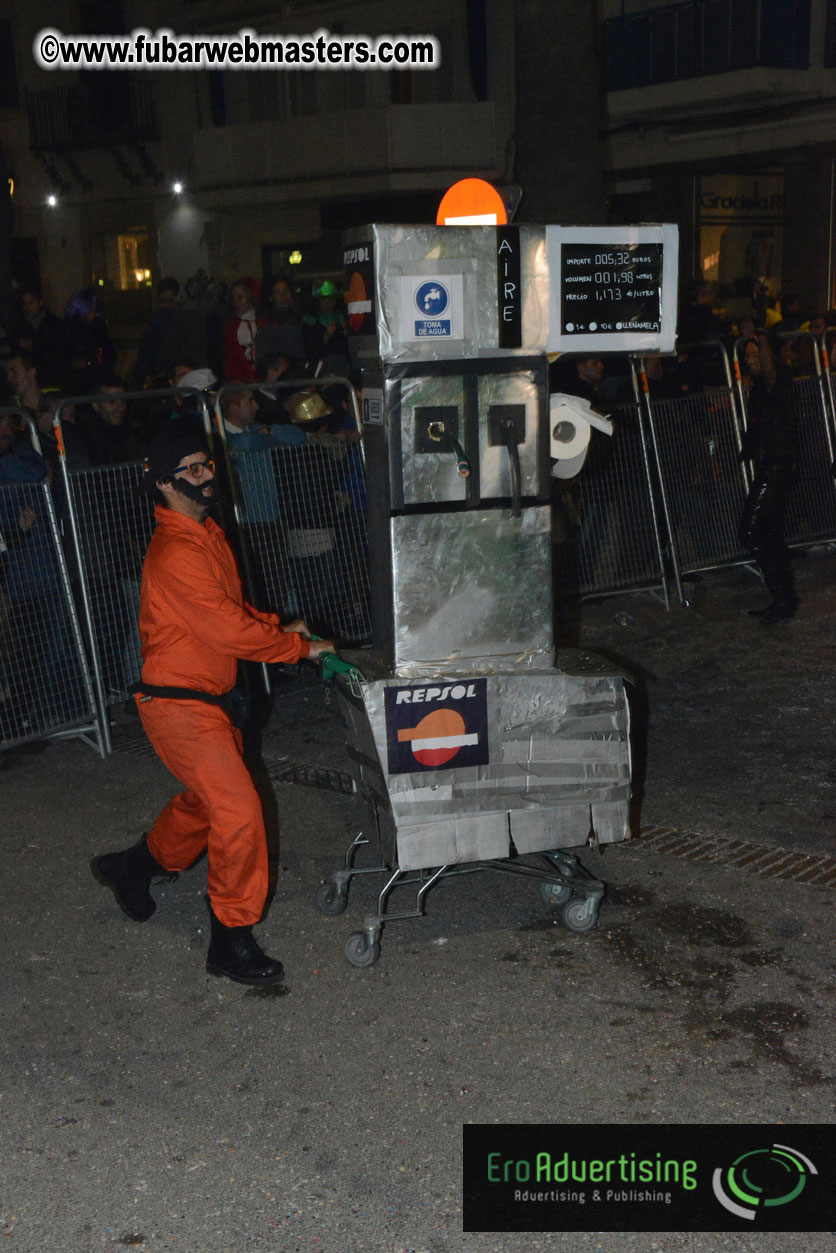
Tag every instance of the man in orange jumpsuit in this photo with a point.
(194, 624)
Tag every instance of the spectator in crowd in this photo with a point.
(311, 499)
(111, 535)
(325, 333)
(817, 326)
(250, 448)
(771, 444)
(272, 406)
(240, 330)
(196, 324)
(747, 327)
(188, 410)
(180, 368)
(671, 378)
(91, 350)
(78, 458)
(154, 353)
(44, 336)
(109, 439)
(47, 688)
(14, 712)
(283, 333)
(240, 413)
(791, 316)
(338, 430)
(9, 318)
(22, 376)
(698, 321)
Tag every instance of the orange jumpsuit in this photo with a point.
(194, 624)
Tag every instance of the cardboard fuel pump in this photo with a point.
(471, 741)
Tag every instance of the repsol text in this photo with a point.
(427, 695)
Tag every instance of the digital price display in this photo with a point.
(612, 288)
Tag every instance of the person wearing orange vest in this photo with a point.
(194, 625)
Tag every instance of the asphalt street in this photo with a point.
(148, 1105)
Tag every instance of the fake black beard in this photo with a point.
(194, 491)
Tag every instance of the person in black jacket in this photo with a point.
(45, 336)
(771, 444)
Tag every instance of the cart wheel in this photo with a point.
(556, 893)
(330, 900)
(359, 952)
(581, 914)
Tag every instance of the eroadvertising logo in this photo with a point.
(762, 1177)
(623, 1177)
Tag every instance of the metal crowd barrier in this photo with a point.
(696, 440)
(702, 486)
(46, 688)
(811, 508)
(661, 500)
(110, 525)
(610, 534)
(300, 512)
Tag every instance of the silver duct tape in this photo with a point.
(563, 751)
(453, 841)
(519, 793)
(517, 780)
(429, 477)
(434, 817)
(547, 772)
(530, 791)
(463, 260)
(505, 802)
(421, 670)
(591, 725)
(539, 831)
(479, 579)
(611, 821)
(520, 391)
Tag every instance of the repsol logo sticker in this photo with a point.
(436, 726)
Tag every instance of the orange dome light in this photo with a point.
(471, 202)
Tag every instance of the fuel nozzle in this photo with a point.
(331, 664)
(438, 432)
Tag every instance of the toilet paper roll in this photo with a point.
(568, 467)
(577, 443)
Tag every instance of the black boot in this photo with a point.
(235, 954)
(129, 875)
(779, 610)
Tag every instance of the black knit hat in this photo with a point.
(167, 450)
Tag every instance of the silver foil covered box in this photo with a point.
(471, 767)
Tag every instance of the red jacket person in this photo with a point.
(194, 624)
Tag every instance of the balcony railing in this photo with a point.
(115, 109)
(701, 37)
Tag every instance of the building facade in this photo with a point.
(721, 115)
